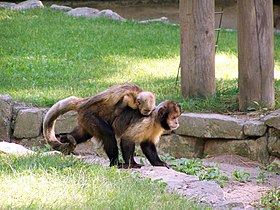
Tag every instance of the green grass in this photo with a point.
(46, 55)
(61, 182)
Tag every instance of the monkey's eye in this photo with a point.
(147, 110)
(138, 102)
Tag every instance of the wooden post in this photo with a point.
(197, 25)
(255, 53)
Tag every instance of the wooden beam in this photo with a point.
(197, 26)
(255, 54)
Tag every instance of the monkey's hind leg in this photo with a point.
(128, 148)
(111, 147)
(104, 132)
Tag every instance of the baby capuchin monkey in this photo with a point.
(145, 102)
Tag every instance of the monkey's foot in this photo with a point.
(67, 148)
(129, 165)
(161, 164)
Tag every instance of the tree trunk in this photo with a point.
(197, 24)
(255, 54)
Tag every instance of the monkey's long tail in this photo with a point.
(59, 108)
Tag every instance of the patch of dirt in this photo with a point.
(248, 192)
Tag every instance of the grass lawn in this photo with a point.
(46, 55)
(63, 182)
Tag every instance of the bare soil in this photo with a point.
(249, 193)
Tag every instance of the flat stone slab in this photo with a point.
(28, 123)
(187, 185)
(210, 126)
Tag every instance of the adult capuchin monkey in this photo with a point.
(95, 117)
(132, 129)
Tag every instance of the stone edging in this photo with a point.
(199, 135)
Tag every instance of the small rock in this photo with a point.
(110, 14)
(159, 20)
(30, 4)
(83, 12)
(58, 7)
(12, 148)
(7, 5)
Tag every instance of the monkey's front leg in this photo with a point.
(150, 151)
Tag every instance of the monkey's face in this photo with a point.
(169, 113)
(173, 118)
(145, 107)
(146, 103)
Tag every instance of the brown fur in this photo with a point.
(105, 106)
(133, 128)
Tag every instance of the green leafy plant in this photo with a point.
(273, 167)
(240, 175)
(196, 167)
(271, 200)
(261, 177)
(212, 173)
(188, 166)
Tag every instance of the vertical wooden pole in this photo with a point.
(197, 25)
(255, 53)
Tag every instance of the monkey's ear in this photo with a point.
(162, 110)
